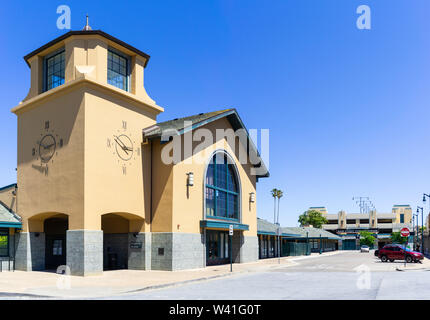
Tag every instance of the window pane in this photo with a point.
(232, 206)
(221, 175)
(55, 70)
(4, 245)
(117, 70)
(210, 202)
(210, 175)
(221, 204)
(231, 178)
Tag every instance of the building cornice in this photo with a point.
(86, 80)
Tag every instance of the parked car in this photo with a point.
(398, 252)
(364, 249)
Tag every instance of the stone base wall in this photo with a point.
(139, 251)
(30, 251)
(177, 251)
(84, 252)
(249, 249)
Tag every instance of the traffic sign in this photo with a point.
(230, 230)
(404, 232)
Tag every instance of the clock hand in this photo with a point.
(123, 147)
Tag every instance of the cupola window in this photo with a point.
(118, 70)
(54, 70)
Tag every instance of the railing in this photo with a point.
(10, 264)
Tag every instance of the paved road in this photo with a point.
(325, 277)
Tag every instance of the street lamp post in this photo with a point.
(422, 227)
(413, 228)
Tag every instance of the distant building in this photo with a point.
(323, 210)
(293, 241)
(349, 225)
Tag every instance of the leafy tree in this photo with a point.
(312, 217)
(366, 238)
(396, 237)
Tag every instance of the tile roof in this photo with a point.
(264, 226)
(179, 126)
(313, 232)
(7, 216)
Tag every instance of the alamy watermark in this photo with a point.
(364, 278)
(65, 18)
(364, 21)
(64, 281)
(196, 146)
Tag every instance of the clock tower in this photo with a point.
(82, 164)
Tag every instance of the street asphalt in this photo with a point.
(346, 275)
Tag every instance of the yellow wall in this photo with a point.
(188, 211)
(85, 178)
(61, 189)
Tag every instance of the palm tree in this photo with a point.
(274, 193)
(279, 195)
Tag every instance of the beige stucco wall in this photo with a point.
(188, 210)
(84, 178)
(107, 188)
(61, 189)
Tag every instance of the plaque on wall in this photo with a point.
(136, 245)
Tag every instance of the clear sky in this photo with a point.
(348, 109)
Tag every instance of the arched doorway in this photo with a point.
(222, 201)
(55, 241)
(120, 240)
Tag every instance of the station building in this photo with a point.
(94, 191)
(294, 241)
(382, 225)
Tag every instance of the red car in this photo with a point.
(397, 252)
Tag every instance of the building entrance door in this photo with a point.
(217, 247)
(55, 242)
(55, 251)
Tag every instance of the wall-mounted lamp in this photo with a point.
(190, 179)
(252, 197)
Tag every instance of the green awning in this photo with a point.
(215, 224)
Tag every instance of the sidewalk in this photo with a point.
(45, 285)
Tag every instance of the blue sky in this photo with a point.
(348, 109)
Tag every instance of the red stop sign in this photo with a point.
(404, 232)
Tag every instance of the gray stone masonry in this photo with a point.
(177, 251)
(139, 258)
(30, 251)
(84, 252)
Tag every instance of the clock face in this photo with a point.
(47, 147)
(124, 147)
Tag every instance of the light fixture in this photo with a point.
(190, 180)
(252, 197)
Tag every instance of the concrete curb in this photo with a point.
(173, 284)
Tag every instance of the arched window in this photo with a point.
(222, 188)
